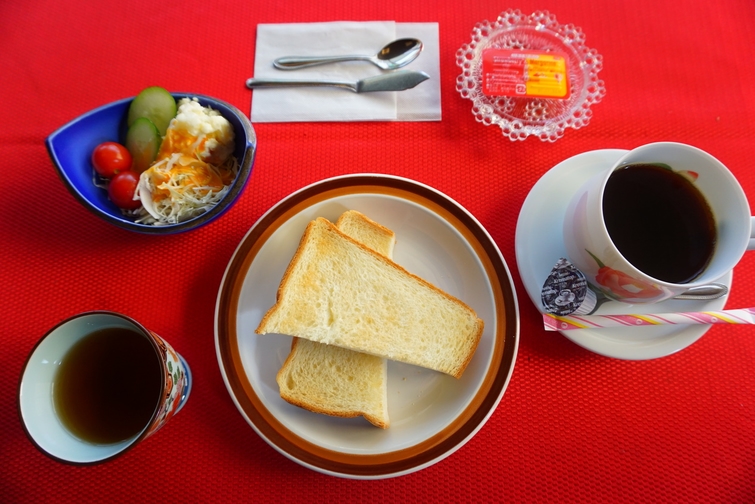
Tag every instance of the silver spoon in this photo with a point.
(705, 292)
(701, 293)
(395, 55)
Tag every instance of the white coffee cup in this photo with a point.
(592, 251)
(37, 404)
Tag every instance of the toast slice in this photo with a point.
(332, 380)
(335, 381)
(365, 230)
(340, 292)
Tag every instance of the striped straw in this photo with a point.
(566, 323)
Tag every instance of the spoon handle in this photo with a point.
(705, 292)
(559, 323)
(276, 83)
(294, 62)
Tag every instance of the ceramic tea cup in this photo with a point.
(97, 384)
(664, 218)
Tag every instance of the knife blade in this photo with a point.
(395, 81)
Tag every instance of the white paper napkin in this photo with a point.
(421, 103)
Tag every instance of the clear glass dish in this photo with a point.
(520, 117)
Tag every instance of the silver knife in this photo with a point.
(395, 81)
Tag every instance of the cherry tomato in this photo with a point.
(122, 188)
(110, 159)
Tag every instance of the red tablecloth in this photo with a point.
(572, 425)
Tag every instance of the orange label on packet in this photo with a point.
(527, 74)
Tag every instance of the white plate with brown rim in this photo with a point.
(431, 414)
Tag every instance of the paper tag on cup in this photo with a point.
(521, 73)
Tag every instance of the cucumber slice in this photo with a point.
(156, 104)
(143, 141)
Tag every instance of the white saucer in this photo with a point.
(539, 245)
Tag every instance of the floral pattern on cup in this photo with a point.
(176, 387)
(620, 286)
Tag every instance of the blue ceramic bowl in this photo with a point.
(71, 146)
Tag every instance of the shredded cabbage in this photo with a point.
(180, 187)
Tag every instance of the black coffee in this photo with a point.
(659, 221)
(108, 386)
